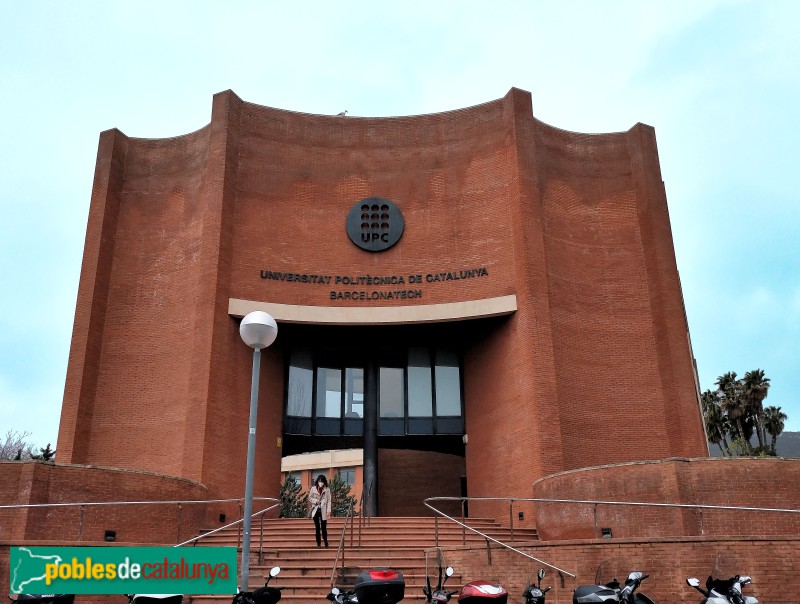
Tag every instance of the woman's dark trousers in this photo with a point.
(321, 527)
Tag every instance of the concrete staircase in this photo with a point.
(398, 543)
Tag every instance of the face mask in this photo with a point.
(319, 484)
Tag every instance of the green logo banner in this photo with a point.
(123, 570)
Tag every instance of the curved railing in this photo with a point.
(179, 503)
(477, 532)
(512, 500)
(239, 522)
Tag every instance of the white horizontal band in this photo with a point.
(378, 315)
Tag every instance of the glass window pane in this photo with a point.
(329, 392)
(448, 384)
(392, 426)
(391, 392)
(348, 475)
(420, 400)
(354, 392)
(419, 425)
(301, 383)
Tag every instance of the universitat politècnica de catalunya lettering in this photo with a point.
(373, 280)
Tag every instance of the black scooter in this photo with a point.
(440, 594)
(342, 597)
(612, 592)
(534, 594)
(262, 595)
(373, 586)
(723, 591)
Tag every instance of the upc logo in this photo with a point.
(374, 224)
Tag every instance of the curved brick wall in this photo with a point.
(26, 483)
(575, 226)
(739, 482)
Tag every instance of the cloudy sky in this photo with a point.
(718, 79)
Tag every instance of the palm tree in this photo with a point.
(733, 404)
(716, 422)
(755, 386)
(774, 420)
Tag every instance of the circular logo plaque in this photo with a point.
(374, 224)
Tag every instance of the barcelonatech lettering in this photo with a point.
(402, 294)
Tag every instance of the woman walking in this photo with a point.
(320, 500)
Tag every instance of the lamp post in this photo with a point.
(258, 330)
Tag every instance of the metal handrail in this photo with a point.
(235, 522)
(179, 503)
(365, 494)
(511, 501)
(484, 535)
(340, 549)
(176, 501)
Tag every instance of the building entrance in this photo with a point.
(394, 392)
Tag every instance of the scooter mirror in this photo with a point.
(274, 571)
(693, 582)
(540, 574)
(449, 571)
(335, 591)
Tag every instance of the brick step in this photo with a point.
(301, 591)
(400, 561)
(398, 543)
(288, 535)
(307, 540)
(379, 522)
(450, 529)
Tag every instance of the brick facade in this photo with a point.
(594, 367)
(574, 225)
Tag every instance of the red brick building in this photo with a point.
(496, 298)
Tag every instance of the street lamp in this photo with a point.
(258, 330)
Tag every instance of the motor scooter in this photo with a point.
(534, 594)
(613, 592)
(482, 592)
(373, 586)
(440, 594)
(723, 591)
(262, 595)
(342, 597)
